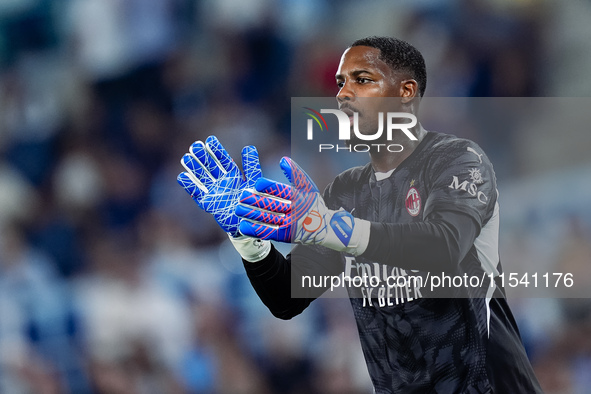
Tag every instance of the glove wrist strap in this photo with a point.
(360, 237)
(358, 241)
(251, 249)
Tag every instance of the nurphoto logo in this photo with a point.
(351, 122)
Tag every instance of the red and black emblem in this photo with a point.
(413, 202)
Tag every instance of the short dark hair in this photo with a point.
(399, 55)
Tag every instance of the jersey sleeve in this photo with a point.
(463, 181)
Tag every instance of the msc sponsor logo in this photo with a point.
(470, 187)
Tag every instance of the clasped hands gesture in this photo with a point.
(246, 204)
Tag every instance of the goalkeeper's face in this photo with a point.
(368, 86)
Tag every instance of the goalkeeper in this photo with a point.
(431, 208)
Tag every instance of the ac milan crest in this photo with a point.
(413, 202)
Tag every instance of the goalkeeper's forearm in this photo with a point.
(271, 279)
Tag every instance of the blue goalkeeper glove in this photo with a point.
(215, 182)
(298, 214)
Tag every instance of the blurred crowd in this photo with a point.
(113, 281)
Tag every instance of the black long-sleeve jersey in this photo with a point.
(436, 215)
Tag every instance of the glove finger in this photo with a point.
(286, 166)
(251, 165)
(198, 174)
(297, 176)
(264, 202)
(277, 189)
(264, 217)
(205, 157)
(223, 159)
(191, 187)
(258, 230)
